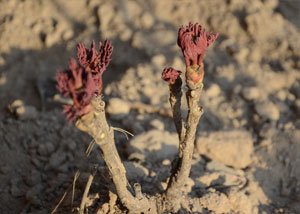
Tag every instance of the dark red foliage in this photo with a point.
(170, 75)
(83, 81)
(193, 41)
(77, 82)
(95, 62)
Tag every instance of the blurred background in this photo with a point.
(252, 84)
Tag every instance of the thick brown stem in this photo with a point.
(94, 123)
(175, 189)
(175, 102)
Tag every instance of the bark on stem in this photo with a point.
(175, 189)
(94, 123)
(175, 102)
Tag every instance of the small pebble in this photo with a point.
(166, 162)
(42, 150)
(57, 159)
(33, 194)
(50, 147)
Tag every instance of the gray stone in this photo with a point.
(15, 188)
(50, 147)
(42, 150)
(33, 194)
(33, 178)
(57, 159)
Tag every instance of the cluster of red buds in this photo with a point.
(82, 81)
(170, 75)
(193, 41)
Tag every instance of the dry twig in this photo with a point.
(86, 191)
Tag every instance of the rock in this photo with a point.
(297, 103)
(71, 145)
(233, 148)
(258, 22)
(126, 34)
(3, 79)
(15, 188)
(214, 201)
(240, 203)
(166, 162)
(67, 34)
(52, 38)
(22, 111)
(156, 145)
(281, 95)
(215, 166)
(36, 162)
(33, 194)
(50, 147)
(213, 91)
(42, 150)
(56, 159)
(104, 209)
(157, 124)
(43, 211)
(147, 20)
(221, 176)
(251, 93)
(268, 130)
(137, 156)
(189, 184)
(151, 41)
(178, 63)
(33, 178)
(159, 61)
(135, 170)
(118, 107)
(268, 110)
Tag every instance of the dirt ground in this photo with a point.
(247, 152)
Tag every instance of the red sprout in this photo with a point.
(95, 62)
(77, 82)
(170, 75)
(193, 41)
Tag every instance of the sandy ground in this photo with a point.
(247, 152)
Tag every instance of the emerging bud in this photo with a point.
(170, 75)
(193, 41)
(83, 81)
(79, 84)
(95, 62)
